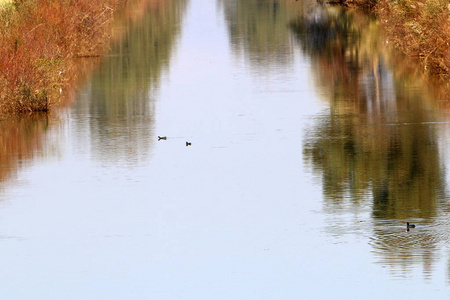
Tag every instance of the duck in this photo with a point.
(408, 226)
(162, 138)
(188, 144)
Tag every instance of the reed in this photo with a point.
(39, 40)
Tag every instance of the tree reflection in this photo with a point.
(258, 30)
(22, 137)
(121, 94)
(379, 136)
(378, 140)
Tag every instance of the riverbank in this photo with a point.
(419, 28)
(41, 40)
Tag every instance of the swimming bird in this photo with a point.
(408, 226)
(188, 144)
(162, 138)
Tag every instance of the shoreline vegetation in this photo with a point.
(419, 28)
(41, 41)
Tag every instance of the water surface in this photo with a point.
(312, 145)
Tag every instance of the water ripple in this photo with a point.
(404, 251)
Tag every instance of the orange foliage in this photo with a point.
(37, 39)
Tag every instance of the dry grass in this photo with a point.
(38, 38)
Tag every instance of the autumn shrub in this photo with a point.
(39, 39)
(420, 28)
(364, 4)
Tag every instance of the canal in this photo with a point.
(297, 144)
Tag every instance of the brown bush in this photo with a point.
(420, 28)
(38, 39)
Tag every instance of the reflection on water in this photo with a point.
(258, 31)
(119, 100)
(120, 117)
(21, 139)
(377, 148)
(378, 140)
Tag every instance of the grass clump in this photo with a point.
(39, 39)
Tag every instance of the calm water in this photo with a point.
(312, 145)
